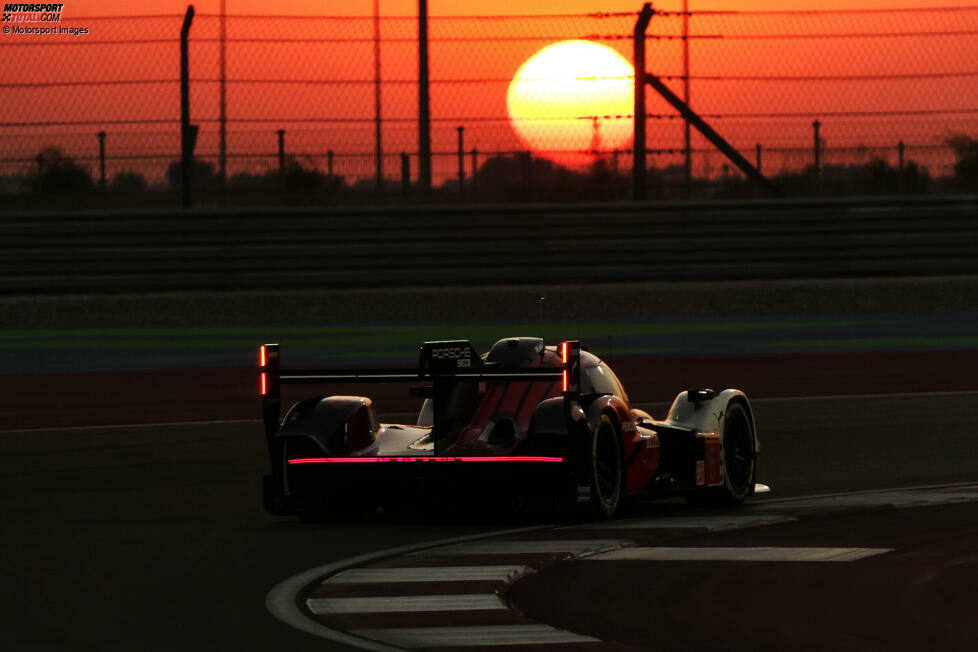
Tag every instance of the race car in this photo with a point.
(549, 420)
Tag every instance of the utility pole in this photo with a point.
(424, 109)
(378, 152)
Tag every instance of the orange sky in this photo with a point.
(466, 7)
(471, 104)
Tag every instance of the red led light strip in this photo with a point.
(261, 355)
(264, 384)
(563, 358)
(358, 460)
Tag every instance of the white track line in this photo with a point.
(281, 600)
(898, 499)
(429, 574)
(572, 546)
(864, 492)
(740, 554)
(475, 636)
(405, 604)
(711, 523)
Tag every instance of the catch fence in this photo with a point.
(890, 90)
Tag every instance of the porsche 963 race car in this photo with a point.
(551, 420)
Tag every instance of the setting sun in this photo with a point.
(569, 100)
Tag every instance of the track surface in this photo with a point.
(153, 538)
(920, 595)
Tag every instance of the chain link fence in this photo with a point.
(895, 94)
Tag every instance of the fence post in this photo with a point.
(424, 108)
(475, 169)
(528, 174)
(101, 160)
(405, 174)
(687, 147)
(222, 153)
(281, 153)
(757, 153)
(188, 134)
(461, 160)
(817, 151)
(378, 149)
(638, 111)
(329, 163)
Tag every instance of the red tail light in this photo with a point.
(261, 355)
(563, 358)
(264, 384)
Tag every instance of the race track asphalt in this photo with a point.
(152, 537)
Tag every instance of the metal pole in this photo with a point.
(378, 152)
(281, 153)
(528, 174)
(101, 160)
(817, 151)
(638, 111)
(405, 174)
(757, 152)
(711, 135)
(475, 168)
(461, 160)
(186, 136)
(686, 131)
(424, 109)
(222, 156)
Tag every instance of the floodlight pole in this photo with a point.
(638, 110)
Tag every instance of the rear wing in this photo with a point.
(439, 362)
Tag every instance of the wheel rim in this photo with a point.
(607, 476)
(738, 450)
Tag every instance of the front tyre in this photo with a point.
(739, 462)
(604, 473)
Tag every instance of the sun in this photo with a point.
(571, 99)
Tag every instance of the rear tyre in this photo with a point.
(605, 479)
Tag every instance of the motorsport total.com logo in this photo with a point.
(32, 13)
(17, 16)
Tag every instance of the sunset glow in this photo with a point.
(566, 97)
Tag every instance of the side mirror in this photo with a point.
(700, 395)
